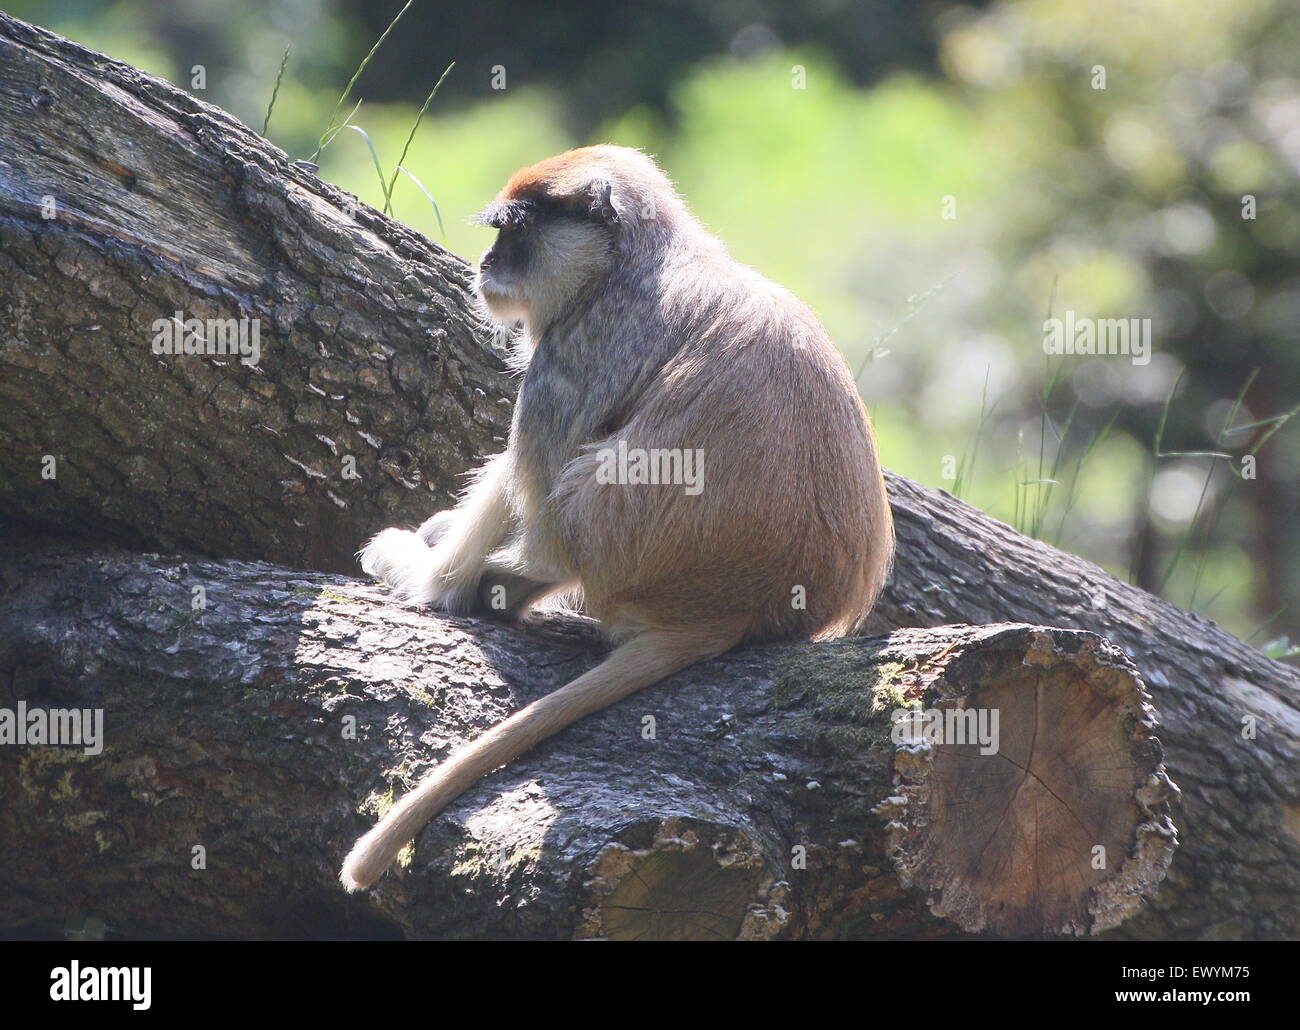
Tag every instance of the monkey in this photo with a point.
(637, 333)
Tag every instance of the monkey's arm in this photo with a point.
(441, 563)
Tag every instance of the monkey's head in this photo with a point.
(563, 224)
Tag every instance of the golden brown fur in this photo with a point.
(638, 328)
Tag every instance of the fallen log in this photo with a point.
(762, 795)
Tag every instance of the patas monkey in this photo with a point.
(641, 336)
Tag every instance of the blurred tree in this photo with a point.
(1172, 158)
(607, 57)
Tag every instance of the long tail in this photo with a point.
(637, 663)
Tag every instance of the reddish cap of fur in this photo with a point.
(558, 176)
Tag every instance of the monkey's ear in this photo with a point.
(599, 205)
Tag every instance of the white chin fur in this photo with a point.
(503, 307)
(403, 561)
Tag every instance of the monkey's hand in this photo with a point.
(419, 573)
(404, 561)
(442, 562)
(435, 527)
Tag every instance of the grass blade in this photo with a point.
(276, 91)
(402, 160)
(347, 122)
(420, 186)
(374, 156)
(320, 145)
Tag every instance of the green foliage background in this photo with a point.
(825, 141)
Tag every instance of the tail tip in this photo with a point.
(353, 877)
(349, 884)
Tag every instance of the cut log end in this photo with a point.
(1031, 799)
(682, 879)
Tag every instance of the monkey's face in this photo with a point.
(546, 251)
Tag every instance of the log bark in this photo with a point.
(758, 796)
(170, 204)
(124, 201)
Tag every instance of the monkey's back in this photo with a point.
(790, 534)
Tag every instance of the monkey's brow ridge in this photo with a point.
(508, 212)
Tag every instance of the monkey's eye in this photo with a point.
(513, 234)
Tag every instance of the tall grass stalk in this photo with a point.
(321, 143)
(276, 91)
(401, 161)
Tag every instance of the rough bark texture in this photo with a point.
(769, 800)
(370, 372)
(166, 204)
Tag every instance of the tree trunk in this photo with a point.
(369, 353)
(757, 796)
